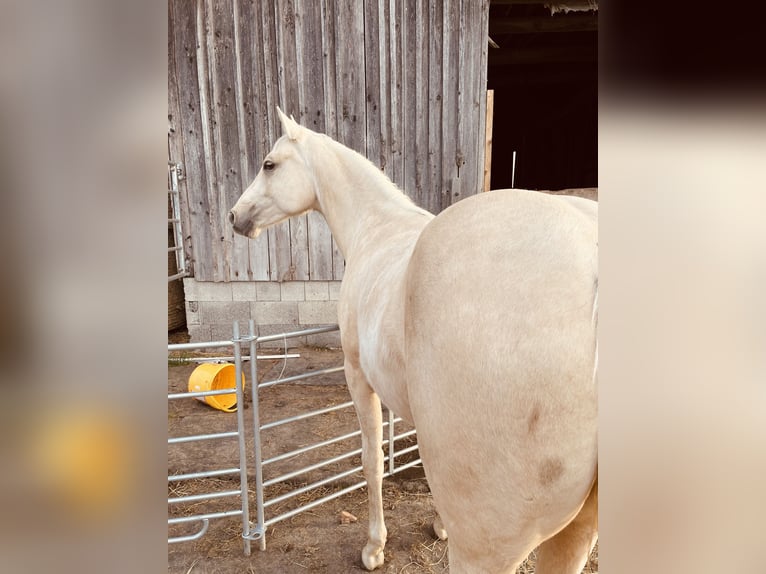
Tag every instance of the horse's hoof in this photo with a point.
(372, 557)
(439, 530)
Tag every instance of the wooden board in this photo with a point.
(401, 81)
(488, 141)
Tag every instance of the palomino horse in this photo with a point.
(477, 325)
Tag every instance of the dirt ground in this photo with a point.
(314, 540)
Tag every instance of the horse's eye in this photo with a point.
(268, 165)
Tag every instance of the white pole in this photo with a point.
(513, 170)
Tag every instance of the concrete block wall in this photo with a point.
(275, 307)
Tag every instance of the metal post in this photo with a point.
(260, 528)
(390, 441)
(241, 429)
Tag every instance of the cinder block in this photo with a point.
(275, 312)
(334, 290)
(293, 291)
(192, 313)
(211, 291)
(318, 312)
(317, 291)
(199, 333)
(225, 332)
(329, 340)
(277, 329)
(268, 291)
(219, 312)
(243, 291)
(190, 289)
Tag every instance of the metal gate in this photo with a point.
(252, 459)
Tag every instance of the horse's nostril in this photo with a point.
(231, 217)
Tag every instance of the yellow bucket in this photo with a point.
(213, 377)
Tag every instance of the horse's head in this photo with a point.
(284, 186)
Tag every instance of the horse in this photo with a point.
(477, 325)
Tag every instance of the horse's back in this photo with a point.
(500, 346)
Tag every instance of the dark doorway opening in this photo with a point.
(545, 80)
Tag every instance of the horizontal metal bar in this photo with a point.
(307, 415)
(170, 249)
(327, 371)
(193, 346)
(176, 276)
(311, 467)
(174, 220)
(195, 394)
(210, 516)
(404, 467)
(196, 437)
(309, 448)
(313, 485)
(315, 503)
(293, 334)
(191, 537)
(204, 496)
(229, 359)
(205, 474)
(405, 434)
(405, 450)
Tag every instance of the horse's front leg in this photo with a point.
(368, 410)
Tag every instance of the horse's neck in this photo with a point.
(360, 203)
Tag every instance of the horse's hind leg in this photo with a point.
(368, 411)
(439, 530)
(568, 551)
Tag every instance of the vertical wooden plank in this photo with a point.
(372, 85)
(473, 93)
(204, 65)
(279, 235)
(209, 266)
(310, 62)
(384, 84)
(176, 130)
(481, 38)
(287, 57)
(227, 132)
(267, 87)
(196, 206)
(418, 35)
(409, 98)
(250, 99)
(289, 80)
(396, 108)
(349, 87)
(328, 10)
(311, 93)
(422, 34)
(463, 99)
(488, 140)
(450, 64)
(349, 28)
(435, 68)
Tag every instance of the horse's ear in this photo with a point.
(291, 128)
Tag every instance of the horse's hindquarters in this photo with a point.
(500, 353)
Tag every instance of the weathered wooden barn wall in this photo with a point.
(401, 81)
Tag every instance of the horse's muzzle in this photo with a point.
(241, 227)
